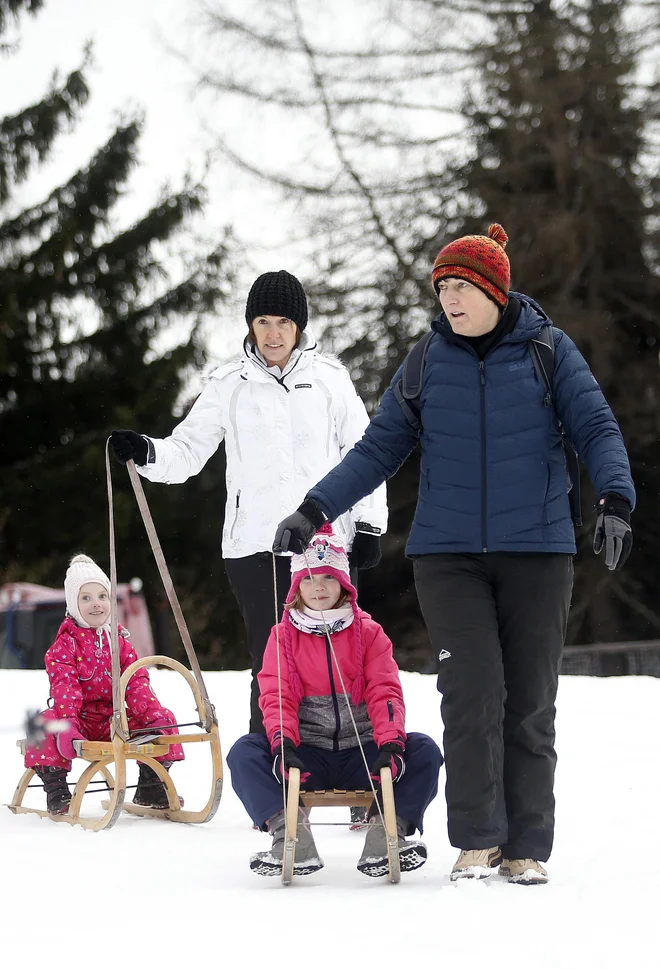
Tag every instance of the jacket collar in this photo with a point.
(530, 320)
(300, 358)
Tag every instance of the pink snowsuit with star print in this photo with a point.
(79, 667)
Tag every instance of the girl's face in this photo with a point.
(469, 311)
(321, 592)
(94, 604)
(276, 338)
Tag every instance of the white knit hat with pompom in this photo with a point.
(81, 570)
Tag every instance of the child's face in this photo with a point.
(94, 604)
(320, 592)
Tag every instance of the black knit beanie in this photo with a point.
(277, 294)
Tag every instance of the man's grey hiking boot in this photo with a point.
(373, 860)
(523, 871)
(476, 863)
(306, 859)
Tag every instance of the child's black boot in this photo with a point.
(58, 795)
(150, 791)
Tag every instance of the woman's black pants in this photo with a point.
(251, 580)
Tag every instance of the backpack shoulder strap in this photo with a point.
(542, 349)
(408, 388)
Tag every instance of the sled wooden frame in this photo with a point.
(102, 754)
(339, 799)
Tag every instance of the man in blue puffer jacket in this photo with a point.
(492, 542)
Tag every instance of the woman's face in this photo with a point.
(276, 338)
(94, 604)
(469, 311)
(321, 592)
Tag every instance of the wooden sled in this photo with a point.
(312, 799)
(103, 754)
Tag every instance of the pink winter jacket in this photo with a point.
(79, 669)
(321, 717)
(81, 680)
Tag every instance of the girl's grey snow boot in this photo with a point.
(306, 859)
(58, 795)
(373, 860)
(150, 791)
(358, 818)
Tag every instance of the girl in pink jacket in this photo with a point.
(79, 667)
(317, 690)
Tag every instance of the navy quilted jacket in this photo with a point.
(493, 475)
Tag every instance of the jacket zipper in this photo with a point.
(335, 701)
(484, 502)
(233, 524)
(390, 710)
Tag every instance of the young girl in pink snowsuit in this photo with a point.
(321, 612)
(79, 667)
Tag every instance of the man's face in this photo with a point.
(469, 311)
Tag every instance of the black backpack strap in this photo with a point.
(542, 349)
(409, 387)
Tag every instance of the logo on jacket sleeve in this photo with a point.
(443, 654)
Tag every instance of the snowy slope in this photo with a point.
(71, 895)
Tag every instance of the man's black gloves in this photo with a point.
(129, 444)
(291, 759)
(365, 551)
(613, 530)
(296, 532)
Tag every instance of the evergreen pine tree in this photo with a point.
(85, 308)
(559, 134)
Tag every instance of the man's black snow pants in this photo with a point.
(497, 622)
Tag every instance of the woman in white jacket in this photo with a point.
(287, 416)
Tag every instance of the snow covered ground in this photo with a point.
(151, 893)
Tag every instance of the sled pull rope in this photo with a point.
(279, 694)
(116, 725)
(208, 715)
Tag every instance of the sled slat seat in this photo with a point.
(95, 749)
(336, 798)
(180, 738)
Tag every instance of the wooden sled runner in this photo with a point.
(339, 799)
(104, 754)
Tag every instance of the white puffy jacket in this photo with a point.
(282, 434)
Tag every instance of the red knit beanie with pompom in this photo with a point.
(480, 260)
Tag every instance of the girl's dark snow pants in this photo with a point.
(251, 764)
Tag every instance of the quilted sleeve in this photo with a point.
(385, 445)
(589, 422)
